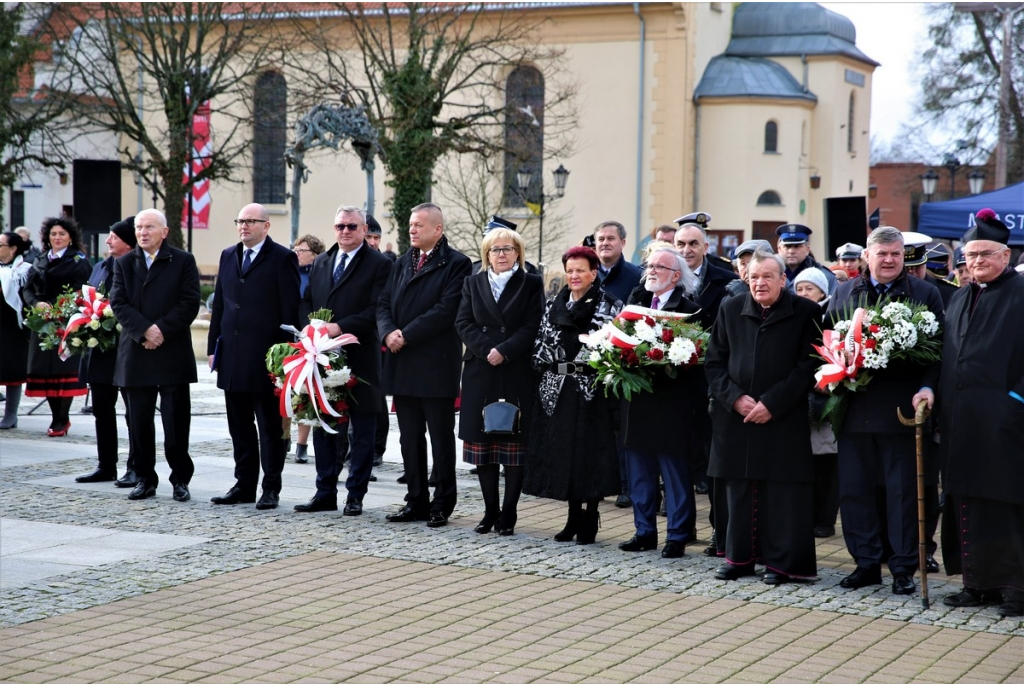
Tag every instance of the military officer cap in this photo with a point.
(750, 247)
(987, 226)
(849, 251)
(497, 222)
(938, 257)
(958, 257)
(915, 248)
(372, 227)
(793, 234)
(701, 219)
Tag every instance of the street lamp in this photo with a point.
(951, 163)
(929, 180)
(976, 181)
(523, 177)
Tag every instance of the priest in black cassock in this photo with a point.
(760, 368)
(980, 400)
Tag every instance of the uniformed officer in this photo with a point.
(849, 257)
(794, 249)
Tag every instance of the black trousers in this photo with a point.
(770, 522)
(416, 417)
(826, 490)
(254, 422)
(380, 443)
(331, 451)
(868, 461)
(176, 416)
(104, 413)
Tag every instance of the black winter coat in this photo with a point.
(771, 361)
(248, 312)
(646, 417)
(509, 326)
(621, 279)
(711, 291)
(166, 294)
(46, 281)
(423, 305)
(982, 362)
(353, 302)
(873, 409)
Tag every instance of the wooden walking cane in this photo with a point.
(918, 423)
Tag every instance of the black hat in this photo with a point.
(497, 222)
(958, 257)
(987, 226)
(915, 248)
(125, 230)
(793, 234)
(938, 256)
(702, 219)
(372, 227)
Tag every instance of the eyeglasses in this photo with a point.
(346, 227)
(986, 255)
(300, 250)
(659, 268)
(249, 223)
(508, 249)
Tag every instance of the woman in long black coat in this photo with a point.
(571, 455)
(498, 320)
(13, 334)
(62, 264)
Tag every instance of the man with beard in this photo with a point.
(981, 406)
(648, 453)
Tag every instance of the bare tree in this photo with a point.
(432, 79)
(114, 59)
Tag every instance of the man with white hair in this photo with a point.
(875, 449)
(981, 407)
(32, 252)
(666, 285)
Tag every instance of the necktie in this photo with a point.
(247, 262)
(149, 260)
(882, 289)
(765, 313)
(655, 302)
(423, 258)
(340, 269)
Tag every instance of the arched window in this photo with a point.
(769, 197)
(270, 136)
(771, 137)
(524, 133)
(849, 126)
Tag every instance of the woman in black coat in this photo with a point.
(63, 264)
(498, 320)
(13, 334)
(571, 455)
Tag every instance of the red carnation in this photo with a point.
(870, 344)
(874, 328)
(632, 359)
(654, 354)
(667, 336)
(341, 406)
(352, 382)
(649, 320)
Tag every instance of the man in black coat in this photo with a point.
(760, 368)
(875, 450)
(618, 277)
(97, 369)
(981, 404)
(257, 292)
(155, 298)
(416, 319)
(644, 420)
(348, 280)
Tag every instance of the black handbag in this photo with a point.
(501, 418)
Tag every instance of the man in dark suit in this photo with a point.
(97, 369)
(257, 292)
(648, 452)
(155, 298)
(348, 280)
(618, 276)
(416, 319)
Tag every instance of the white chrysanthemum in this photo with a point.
(94, 324)
(645, 332)
(928, 324)
(896, 311)
(595, 356)
(336, 378)
(873, 360)
(93, 342)
(681, 351)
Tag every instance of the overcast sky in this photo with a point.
(893, 34)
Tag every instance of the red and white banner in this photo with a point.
(200, 150)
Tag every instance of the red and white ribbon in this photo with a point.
(93, 309)
(844, 354)
(303, 369)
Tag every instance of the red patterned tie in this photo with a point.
(423, 258)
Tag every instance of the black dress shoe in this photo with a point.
(1008, 609)
(969, 597)
(128, 480)
(234, 496)
(903, 584)
(775, 578)
(402, 479)
(142, 491)
(701, 488)
(824, 531)
(318, 504)
(373, 478)
(268, 500)
(673, 549)
(930, 564)
(623, 501)
(407, 514)
(733, 571)
(97, 476)
(486, 523)
(437, 520)
(353, 507)
(862, 577)
(181, 493)
(639, 543)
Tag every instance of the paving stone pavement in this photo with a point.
(232, 594)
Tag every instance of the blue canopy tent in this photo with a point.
(952, 218)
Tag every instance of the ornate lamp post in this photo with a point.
(561, 176)
(929, 180)
(976, 181)
(953, 164)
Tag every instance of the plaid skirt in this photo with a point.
(506, 453)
